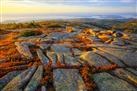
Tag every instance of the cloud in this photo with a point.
(68, 6)
(128, 1)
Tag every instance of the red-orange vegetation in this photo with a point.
(6, 70)
(44, 80)
(8, 39)
(107, 67)
(83, 39)
(104, 37)
(48, 73)
(7, 46)
(58, 63)
(9, 64)
(5, 53)
(13, 66)
(87, 78)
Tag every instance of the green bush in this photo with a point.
(54, 26)
(28, 33)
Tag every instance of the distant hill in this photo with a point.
(119, 24)
(130, 26)
(101, 23)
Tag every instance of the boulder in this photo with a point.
(35, 80)
(112, 58)
(24, 50)
(105, 37)
(94, 59)
(118, 41)
(17, 83)
(28, 43)
(125, 75)
(7, 78)
(89, 31)
(77, 52)
(107, 82)
(127, 56)
(118, 34)
(132, 70)
(60, 48)
(96, 39)
(71, 60)
(44, 46)
(56, 36)
(68, 80)
(53, 56)
(42, 57)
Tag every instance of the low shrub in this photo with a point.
(28, 33)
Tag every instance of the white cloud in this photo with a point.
(127, 1)
(35, 6)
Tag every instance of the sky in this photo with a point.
(66, 7)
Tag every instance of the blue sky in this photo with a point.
(69, 6)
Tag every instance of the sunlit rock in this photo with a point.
(44, 60)
(132, 70)
(94, 59)
(61, 48)
(17, 83)
(24, 50)
(71, 60)
(107, 82)
(110, 57)
(89, 32)
(7, 78)
(44, 45)
(118, 41)
(118, 34)
(35, 80)
(105, 37)
(127, 56)
(68, 80)
(69, 29)
(125, 75)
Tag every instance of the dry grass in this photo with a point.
(7, 47)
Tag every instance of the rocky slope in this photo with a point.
(82, 60)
